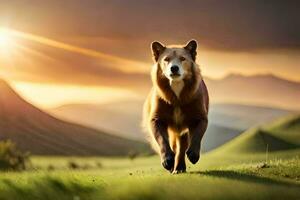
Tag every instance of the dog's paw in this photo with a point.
(168, 162)
(193, 156)
(178, 171)
(180, 168)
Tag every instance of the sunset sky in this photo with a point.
(98, 51)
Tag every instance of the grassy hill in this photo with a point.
(231, 174)
(287, 129)
(283, 134)
(256, 140)
(216, 135)
(35, 131)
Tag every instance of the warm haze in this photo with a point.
(45, 49)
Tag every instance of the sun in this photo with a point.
(6, 40)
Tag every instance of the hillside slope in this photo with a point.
(287, 128)
(40, 133)
(283, 134)
(126, 114)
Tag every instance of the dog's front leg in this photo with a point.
(196, 131)
(160, 132)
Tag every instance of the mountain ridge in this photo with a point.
(40, 133)
(261, 89)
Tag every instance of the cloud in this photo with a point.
(126, 29)
(38, 62)
(226, 25)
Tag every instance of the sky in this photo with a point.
(104, 46)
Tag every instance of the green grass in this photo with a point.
(144, 178)
(241, 169)
(287, 129)
(283, 134)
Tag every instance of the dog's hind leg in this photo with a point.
(182, 143)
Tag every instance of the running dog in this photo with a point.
(176, 109)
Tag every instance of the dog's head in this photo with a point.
(176, 62)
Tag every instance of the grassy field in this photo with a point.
(262, 163)
(215, 177)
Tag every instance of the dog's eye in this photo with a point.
(167, 59)
(182, 58)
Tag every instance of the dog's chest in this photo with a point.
(177, 87)
(178, 116)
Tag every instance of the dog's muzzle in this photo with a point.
(174, 71)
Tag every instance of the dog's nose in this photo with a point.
(174, 69)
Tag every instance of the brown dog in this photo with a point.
(175, 112)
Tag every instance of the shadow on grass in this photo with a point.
(239, 176)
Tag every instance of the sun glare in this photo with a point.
(51, 96)
(6, 41)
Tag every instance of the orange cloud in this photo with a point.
(116, 62)
(40, 59)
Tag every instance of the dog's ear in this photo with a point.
(157, 49)
(191, 47)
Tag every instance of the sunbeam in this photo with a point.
(122, 64)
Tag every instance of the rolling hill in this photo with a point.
(280, 135)
(287, 129)
(121, 118)
(217, 135)
(40, 133)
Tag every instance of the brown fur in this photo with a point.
(177, 124)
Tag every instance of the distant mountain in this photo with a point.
(283, 134)
(265, 90)
(226, 121)
(121, 118)
(242, 117)
(35, 131)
